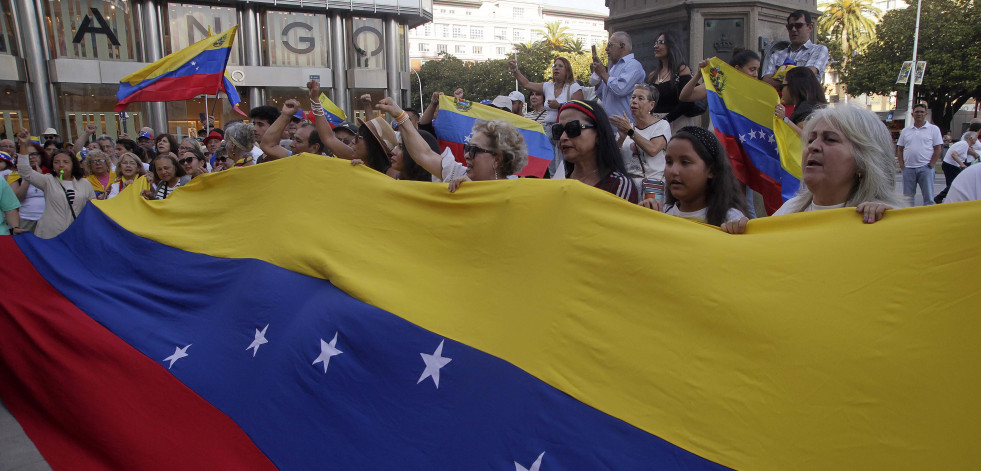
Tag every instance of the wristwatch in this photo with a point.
(630, 133)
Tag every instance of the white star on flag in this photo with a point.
(178, 354)
(772, 139)
(742, 138)
(752, 134)
(260, 338)
(433, 363)
(534, 466)
(327, 350)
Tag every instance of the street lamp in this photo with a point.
(413, 71)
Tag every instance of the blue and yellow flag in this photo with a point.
(192, 71)
(454, 125)
(765, 151)
(527, 324)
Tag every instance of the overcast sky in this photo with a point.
(594, 5)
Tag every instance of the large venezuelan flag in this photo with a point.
(192, 71)
(765, 152)
(454, 125)
(425, 330)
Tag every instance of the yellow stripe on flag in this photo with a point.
(173, 61)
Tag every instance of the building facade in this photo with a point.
(61, 60)
(478, 30)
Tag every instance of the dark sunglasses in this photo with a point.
(572, 128)
(472, 150)
(791, 26)
(187, 160)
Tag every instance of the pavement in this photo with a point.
(939, 183)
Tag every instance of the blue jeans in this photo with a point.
(918, 176)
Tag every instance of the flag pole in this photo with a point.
(213, 108)
(206, 129)
(912, 75)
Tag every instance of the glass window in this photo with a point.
(501, 50)
(501, 34)
(461, 49)
(423, 47)
(519, 12)
(458, 32)
(296, 39)
(13, 109)
(189, 24)
(403, 55)
(519, 35)
(84, 103)
(8, 43)
(476, 32)
(429, 29)
(93, 29)
(441, 48)
(478, 49)
(367, 44)
(443, 31)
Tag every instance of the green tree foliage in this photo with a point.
(556, 36)
(851, 22)
(487, 79)
(950, 42)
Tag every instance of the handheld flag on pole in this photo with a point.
(195, 70)
(232, 94)
(332, 112)
(765, 151)
(457, 117)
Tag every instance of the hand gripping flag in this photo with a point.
(765, 151)
(192, 71)
(455, 121)
(424, 330)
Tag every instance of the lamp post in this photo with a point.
(912, 75)
(421, 107)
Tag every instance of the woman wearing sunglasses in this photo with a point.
(590, 149)
(129, 170)
(801, 89)
(193, 161)
(496, 150)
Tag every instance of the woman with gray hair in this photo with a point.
(239, 139)
(958, 157)
(496, 150)
(848, 161)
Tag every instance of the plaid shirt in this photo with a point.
(809, 54)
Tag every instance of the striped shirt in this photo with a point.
(618, 184)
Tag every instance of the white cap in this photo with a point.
(517, 96)
(502, 101)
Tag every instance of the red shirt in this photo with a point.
(618, 184)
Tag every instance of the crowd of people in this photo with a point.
(632, 133)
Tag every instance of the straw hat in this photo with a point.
(383, 132)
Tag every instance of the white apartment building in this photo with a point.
(478, 30)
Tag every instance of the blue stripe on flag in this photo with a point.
(208, 62)
(457, 127)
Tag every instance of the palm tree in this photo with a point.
(575, 46)
(852, 22)
(556, 35)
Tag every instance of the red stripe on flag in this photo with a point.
(747, 173)
(89, 401)
(173, 89)
(536, 167)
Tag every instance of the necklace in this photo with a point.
(664, 75)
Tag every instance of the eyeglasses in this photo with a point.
(660, 41)
(471, 150)
(572, 128)
(783, 85)
(97, 161)
(33, 154)
(791, 26)
(187, 160)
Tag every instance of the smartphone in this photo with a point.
(595, 55)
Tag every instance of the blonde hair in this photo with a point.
(506, 140)
(139, 164)
(872, 149)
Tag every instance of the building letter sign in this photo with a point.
(308, 42)
(87, 27)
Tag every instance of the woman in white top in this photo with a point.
(562, 89)
(849, 161)
(642, 142)
(958, 157)
(31, 197)
(129, 170)
(496, 150)
(66, 191)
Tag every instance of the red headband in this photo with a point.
(581, 106)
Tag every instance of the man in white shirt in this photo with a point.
(801, 52)
(615, 85)
(918, 150)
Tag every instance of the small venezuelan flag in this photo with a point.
(455, 122)
(332, 112)
(192, 71)
(765, 152)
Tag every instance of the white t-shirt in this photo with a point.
(653, 167)
(256, 153)
(959, 148)
(918, 144)
(451, 168)
(967, 186)
(700, 215)
(564, 96)
(790, 206)
(33, 205)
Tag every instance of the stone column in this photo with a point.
(250, 45)
(338, 63)
(30, 30)
(392, 59)
(153, 50)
